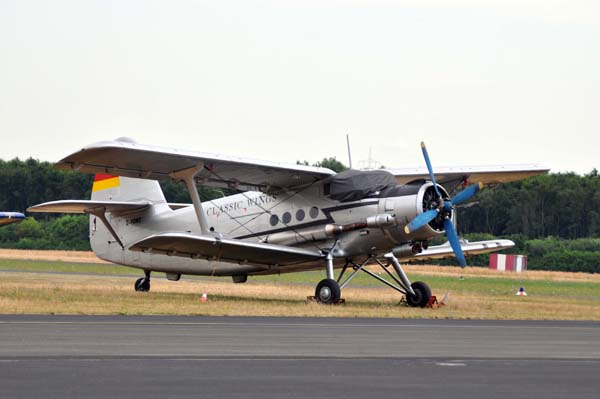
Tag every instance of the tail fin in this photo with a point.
(119, 188)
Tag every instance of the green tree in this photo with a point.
(70, 232)
(332, 163)
(29, 228)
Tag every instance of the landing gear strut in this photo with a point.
(143, 284)
(329, 290)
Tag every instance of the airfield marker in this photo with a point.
(521, 292)
(445, 299)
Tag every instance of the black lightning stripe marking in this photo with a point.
(328, 219)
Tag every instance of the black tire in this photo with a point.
(328, 292)
(423, 293)
(142, 284)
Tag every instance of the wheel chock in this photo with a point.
(433, 302)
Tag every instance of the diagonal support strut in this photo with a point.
(100, 213)
(402, 281)
(187, 176)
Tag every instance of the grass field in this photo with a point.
(62, 287)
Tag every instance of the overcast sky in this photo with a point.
(482, 82)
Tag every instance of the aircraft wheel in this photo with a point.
(328, 291)
(142, 284)
(423, 293)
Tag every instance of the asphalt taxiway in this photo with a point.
(151, 356)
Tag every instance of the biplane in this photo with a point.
(281, 219)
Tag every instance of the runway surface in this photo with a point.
(155, 357)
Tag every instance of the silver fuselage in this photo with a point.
(258, 217)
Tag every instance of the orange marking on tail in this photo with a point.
(104, 182)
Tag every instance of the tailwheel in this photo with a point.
(143, 284)
(328, 291)
(421, 297)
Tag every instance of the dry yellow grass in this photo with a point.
(59, 256)
(90, 257)
(81, 294)
(484, 272)
(72, 294)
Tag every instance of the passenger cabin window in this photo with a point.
(314, 212)
(286, 218)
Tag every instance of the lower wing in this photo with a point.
(224, 249)
(469, 248)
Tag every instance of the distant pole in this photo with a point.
(349, 154)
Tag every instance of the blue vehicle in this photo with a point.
(10, 217)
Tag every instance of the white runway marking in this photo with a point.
(320, 325)
(451, 364)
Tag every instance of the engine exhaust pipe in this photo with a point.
(408, 250)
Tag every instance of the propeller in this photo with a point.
(445, 207)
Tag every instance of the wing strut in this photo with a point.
(188, 175)
(101, 214)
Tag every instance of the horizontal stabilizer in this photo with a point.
(82, 206)
(224, 250)
(468, 248)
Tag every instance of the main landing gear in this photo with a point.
(329, 290)
(143, 284)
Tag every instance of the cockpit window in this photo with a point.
(400, 190)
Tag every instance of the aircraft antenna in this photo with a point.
(349, 153)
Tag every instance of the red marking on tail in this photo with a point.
(101, 176)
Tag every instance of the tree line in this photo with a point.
(554, 218)
(563, 205)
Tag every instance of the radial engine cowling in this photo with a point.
(412, 200)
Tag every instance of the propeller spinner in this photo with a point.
(444, 207)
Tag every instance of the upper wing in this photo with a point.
(469, 248)
(83, 206)
(126, 158)
(10, 217)
(488, 175)
(224, 250)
